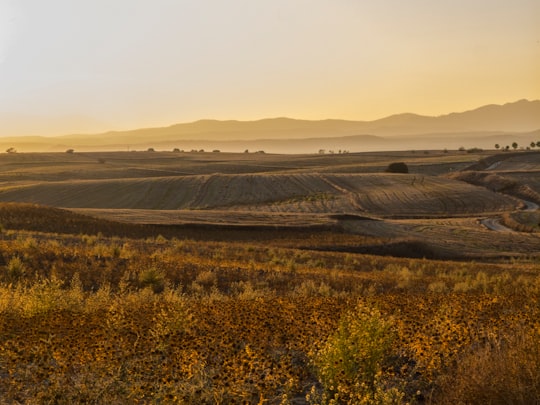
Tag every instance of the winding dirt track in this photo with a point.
(530, 206)
(494, 224)
(520, 170)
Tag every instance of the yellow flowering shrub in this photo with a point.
(350, 364)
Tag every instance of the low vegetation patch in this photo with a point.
(109, 320)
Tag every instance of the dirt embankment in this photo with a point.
(490, 161)
(498, 183)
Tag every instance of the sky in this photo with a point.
(74, 66)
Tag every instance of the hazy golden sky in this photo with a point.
(83, 66)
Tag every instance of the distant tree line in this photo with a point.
(331, 151)
(515, 145)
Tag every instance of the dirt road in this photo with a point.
(493, 224)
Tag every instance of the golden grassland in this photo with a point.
(352, 286)
(89, 318)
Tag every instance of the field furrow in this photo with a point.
(379, 195)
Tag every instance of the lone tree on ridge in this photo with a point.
(397, 167)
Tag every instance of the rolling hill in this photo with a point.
(383, 194)
(509, 122)
(207, 193)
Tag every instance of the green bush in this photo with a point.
(350, 364)
(153, 278)
(15, 269)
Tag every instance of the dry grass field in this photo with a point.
(213, 278)
(447, 201)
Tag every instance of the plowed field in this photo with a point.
(381, 194)
(298, 191)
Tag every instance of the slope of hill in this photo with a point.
(521, 116)
(384, 194)
(285, 135)
(209, 192)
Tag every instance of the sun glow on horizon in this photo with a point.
(99, 66)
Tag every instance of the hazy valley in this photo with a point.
(483, 127)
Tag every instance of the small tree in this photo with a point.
(514, 145)
(150, 150)
(352, 365)
(397, 167)
(11, 150)
(533, 144)
(15, 269)
(497, 146)
(70, 151)
(153, 278)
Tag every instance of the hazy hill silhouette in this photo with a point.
(521, 116)
(279, 134)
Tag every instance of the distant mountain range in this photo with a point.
(481, 127)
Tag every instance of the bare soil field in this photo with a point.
(523, 162)
(442, 201)
(382, 194)
(108, 165)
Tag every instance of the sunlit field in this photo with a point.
(300, 280)
(269, 203)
